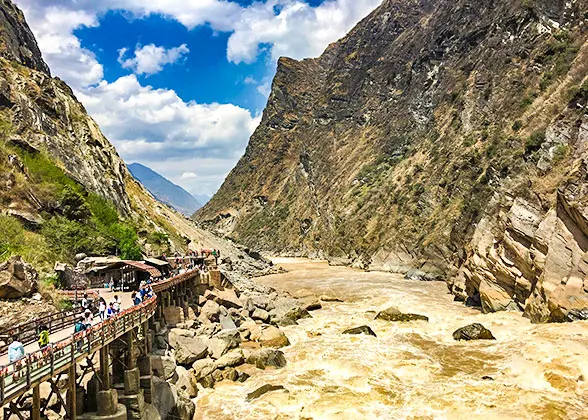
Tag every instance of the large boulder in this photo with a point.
(473, 332)
(210, 312)
(227, 298)
(17, 279)
(202, 368)
(186, 381)
(173, 315)
(261, 315)
(287, 311)
(251, 330)
(163, 367)
(187, 349)
(364, 329)
(394, 315)
(217, 347)
(267, 357)
(171, 403)
(232, 337)
(232, 359)
(273, 337)
(311, 303)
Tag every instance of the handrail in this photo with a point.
(18, 377)
(166, 284)
(27, 331)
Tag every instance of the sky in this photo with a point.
(180, 85)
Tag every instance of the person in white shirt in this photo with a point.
(85, 301)
(116, 304)
(16, 350)
(102, 309)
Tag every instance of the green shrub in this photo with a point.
(534, 142)
(73, 206)
(67, 237)
(560, 153)
(127, 242)
(11, 236)
(517, 125)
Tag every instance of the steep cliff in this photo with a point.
(443, 139)
(63, 187)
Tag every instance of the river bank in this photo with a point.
(411, 370)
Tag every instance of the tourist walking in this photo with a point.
(102, 309)
(110, 312)
(117, 304)
(16, 350)
(43, 339)
(137, 298)
(79, 327)
(88, 318)
(85, 302)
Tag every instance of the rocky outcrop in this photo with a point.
(437, 140)
(393, 314)
(264, 358)
(17, 279)
(473, 332)
(17, 42)
(364, 329)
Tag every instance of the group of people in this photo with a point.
(144, 293)
(16, 350)
(112, 309)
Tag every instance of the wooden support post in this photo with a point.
(36, 410)
(104, 369)
(131, 361)
(73, 406)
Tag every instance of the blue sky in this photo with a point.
(180, 85)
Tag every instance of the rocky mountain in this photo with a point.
(63, 187)
(164, 190)
(441, 139)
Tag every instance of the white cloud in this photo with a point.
(189, 175)
(155, 126)
(151, 59)
(249, 80)
(297, 31)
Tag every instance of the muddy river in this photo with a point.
(411, 370)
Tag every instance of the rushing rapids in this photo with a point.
(411, 370)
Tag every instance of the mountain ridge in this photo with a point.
(164, 190)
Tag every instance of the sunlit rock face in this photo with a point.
(439, 138)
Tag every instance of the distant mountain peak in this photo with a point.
(164, 190)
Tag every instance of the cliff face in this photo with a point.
(58, 172)
(439, 139)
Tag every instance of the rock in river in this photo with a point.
(267, 357)
(364, 329)
(394, 315)
(263, 390)
(473, 332)
(273, 337)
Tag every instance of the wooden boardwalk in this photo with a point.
(22, 376)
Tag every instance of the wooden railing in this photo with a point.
(27, 332)
(174, 281)
(20, 376)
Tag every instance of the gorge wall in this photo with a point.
(442, 139)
